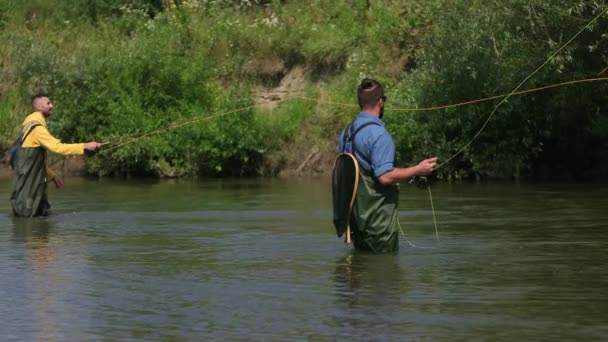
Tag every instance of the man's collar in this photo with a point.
(368, 116)
(38, 116)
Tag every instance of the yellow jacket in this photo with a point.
(40, 136)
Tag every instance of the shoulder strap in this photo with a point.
(349, 137)
(28, 129)
(363, 126)
(17, 145)
(348, 134)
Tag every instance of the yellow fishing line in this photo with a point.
(503, 97)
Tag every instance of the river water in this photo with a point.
(259, 260)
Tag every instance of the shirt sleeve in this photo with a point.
(383, 154)
(55, 145)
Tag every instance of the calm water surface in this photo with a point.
(259, 260)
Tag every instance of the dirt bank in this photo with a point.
(310, 152)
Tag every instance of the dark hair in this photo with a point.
(37, 96)
(369, 92)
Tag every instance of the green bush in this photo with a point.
(119, 69)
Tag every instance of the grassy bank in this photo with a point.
(121, 68)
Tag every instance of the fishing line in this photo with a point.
(515, 91)
(166, 128)
(464, 103)
(502, 102)
(504, 99)
(433, 211)
(134, 137)
(519, 86)
(405, 236)
(434, 223)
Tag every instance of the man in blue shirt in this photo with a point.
(374, 215)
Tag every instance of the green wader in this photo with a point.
(29, 189)
(374, 222)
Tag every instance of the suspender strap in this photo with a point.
(349, 137)
(28, 129)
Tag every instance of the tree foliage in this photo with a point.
(120, 68)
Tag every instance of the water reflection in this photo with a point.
(202, 261)
(31, 229)
(370, 292)
(43, 281)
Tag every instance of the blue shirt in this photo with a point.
(373, 143)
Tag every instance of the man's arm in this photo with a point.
(51, 176)
(398, 174)
(55, 145)
(382, 157)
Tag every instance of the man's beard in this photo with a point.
(381, 112)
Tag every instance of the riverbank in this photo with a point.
(119, 71)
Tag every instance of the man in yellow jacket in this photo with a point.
(29, 196)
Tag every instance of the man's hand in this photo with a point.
(426, 166)
(92, 146)
(423, 168)
(58, 182)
